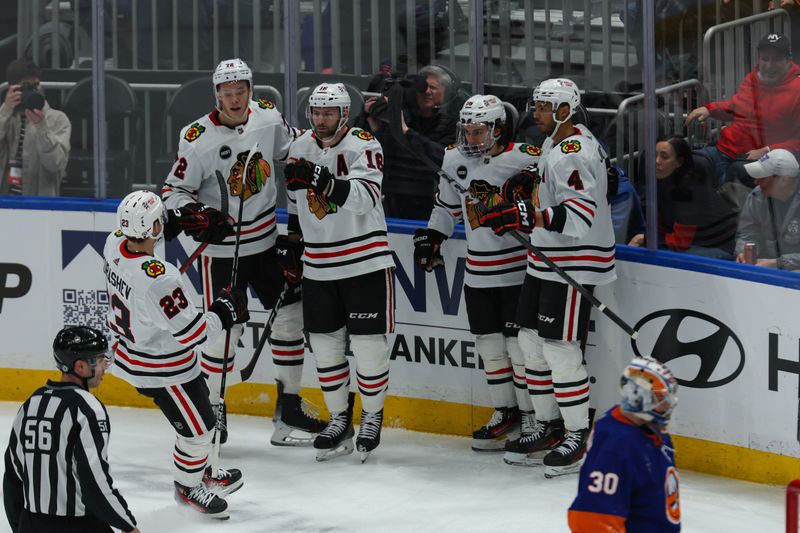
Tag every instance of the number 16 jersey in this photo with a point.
(157, 327)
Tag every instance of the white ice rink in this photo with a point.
(414, 482)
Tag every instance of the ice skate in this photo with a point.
(503, 426)
(337, 437)
(295, 421)
(369, 433)
(224, 482)
(568, 456)
(535, 442)
(202, 500)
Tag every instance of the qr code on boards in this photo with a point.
(85, 307)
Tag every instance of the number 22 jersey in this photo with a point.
(157, 326)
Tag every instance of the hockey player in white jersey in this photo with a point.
(158, 334)
(334, 178)
(221, 142)
(493, 170)
(569, 220)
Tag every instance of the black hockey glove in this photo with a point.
(427, 246)
(511, 216)
(304, 174)
(289, 254)
(231, 307)
(521, 186)
(201, 222)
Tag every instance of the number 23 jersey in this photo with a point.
(157, 326)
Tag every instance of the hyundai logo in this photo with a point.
(679, 333)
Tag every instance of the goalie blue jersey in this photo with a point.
(628, 483)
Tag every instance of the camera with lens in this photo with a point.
(31, 97)
(407, 92)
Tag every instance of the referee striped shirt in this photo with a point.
(57, 459)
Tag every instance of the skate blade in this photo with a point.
(489, 445)
(284, 435)
(551, 472)
(364, 456)
(345, 448)
(524, 459)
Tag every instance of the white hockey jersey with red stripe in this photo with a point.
(492, 261)
(343, 241)
(572, 198)
(207, 146)
(158, 328)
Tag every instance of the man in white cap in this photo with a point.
(770, 217)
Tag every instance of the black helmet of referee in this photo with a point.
(78, 342)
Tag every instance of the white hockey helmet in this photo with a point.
(231, 70)
(558, 91)
(649, 390)
(137, 212)
(480, 109)
(330, 95)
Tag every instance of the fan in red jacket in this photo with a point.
(764, 113)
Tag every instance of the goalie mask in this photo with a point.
(329, 95)
(649, 391)
(557, 91)
(137, 212)
(480, 110)
(231, 70)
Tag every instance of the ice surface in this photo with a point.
(413, 482)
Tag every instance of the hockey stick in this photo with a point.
(226, 353)
(223, 200)
(247, 371)
(395, 114)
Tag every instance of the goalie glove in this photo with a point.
(427, 246)
(521, 186)
(511, 216)
(304, 174)
(289, 254)
(201, 222)
(231, 307)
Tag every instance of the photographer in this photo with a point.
(430, 114)
(34, 138)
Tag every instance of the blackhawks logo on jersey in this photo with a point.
(194, 131)
(363, 135)
(265, 104)
(530, 150)
(571, 146)
(489, 196)
(153, 268)
(258, 171)
(118, 233)
(450, 147)
(319, 205)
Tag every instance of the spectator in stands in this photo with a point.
(34, 138)
(771, 215)
(430, 114)
(764, 113)
(793, 8)
(692, 217)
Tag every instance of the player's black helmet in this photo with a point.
(78, 342)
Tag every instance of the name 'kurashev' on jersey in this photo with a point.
(157, 326)
(572, 198)
(492, 261)
(207, 146)
(628, 482)
(343, 241)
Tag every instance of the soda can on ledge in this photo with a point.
(749, 253)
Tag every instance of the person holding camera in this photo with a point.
(428, 121)
(34, 138)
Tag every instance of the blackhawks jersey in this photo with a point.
(572, 197)
(157, 326)
(207, 146)
(492, 261)
(347, 240)
(628, 483)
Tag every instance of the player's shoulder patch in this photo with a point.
(265, 104)
(570, 146)
(362, 134)
(154, 268)
(118, 233)
(450, 147)
(193, 132)
(530, 149)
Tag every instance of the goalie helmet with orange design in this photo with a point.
(649, 391)
(482, 122)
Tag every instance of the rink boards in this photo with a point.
(728, 332)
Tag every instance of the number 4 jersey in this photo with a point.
(157, 326)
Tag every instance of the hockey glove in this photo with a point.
(521, 186)
(289, 254)
(201, 222)
(427, 244)
(516, 216)
(231, 307)
(304, 174)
